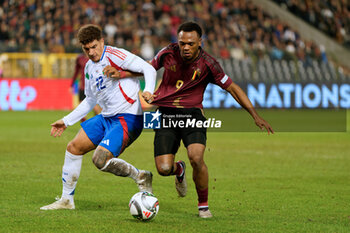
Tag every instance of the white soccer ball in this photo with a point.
(144, 206)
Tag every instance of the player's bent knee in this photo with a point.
(100, 157)
(197, 161)
(73, 148)
(165, 169)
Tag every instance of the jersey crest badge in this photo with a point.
(173, 68)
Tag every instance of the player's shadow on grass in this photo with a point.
(182, 210)
(134, 220)
(100, 205)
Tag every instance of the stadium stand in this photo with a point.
(251, 45)
(331, 17)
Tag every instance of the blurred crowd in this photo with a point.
(232, 28)
(330, 16)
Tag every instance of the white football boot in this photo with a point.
(61, 203)
(205, 213)
(144, 181)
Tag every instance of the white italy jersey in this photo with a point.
(113, 95)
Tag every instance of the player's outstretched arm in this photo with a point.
(239, 95)
(79, 112)
(57, 128)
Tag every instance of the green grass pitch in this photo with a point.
(287, 182)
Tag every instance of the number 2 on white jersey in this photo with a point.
(99, 83)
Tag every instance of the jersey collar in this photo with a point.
(199, 55)
(103, 54)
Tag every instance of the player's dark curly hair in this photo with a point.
(190, 27)
(88, 33)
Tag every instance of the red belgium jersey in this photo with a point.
(183, 85)
(79, 70)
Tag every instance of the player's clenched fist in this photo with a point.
(148, 97)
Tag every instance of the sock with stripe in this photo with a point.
(202, 199)
(70, 174)
(122, 168)
(179, 169)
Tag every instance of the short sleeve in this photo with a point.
(220, 78)
(157, 61)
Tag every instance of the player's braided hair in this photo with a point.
(190, 27)
(88, 33)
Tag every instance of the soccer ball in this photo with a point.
(144, 206)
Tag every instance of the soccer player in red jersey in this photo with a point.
(188, 69)
(79, 71)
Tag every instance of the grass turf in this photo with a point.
(287, 182)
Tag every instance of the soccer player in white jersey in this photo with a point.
(119, 123)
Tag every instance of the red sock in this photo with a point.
(202, 198)
(179, 169)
